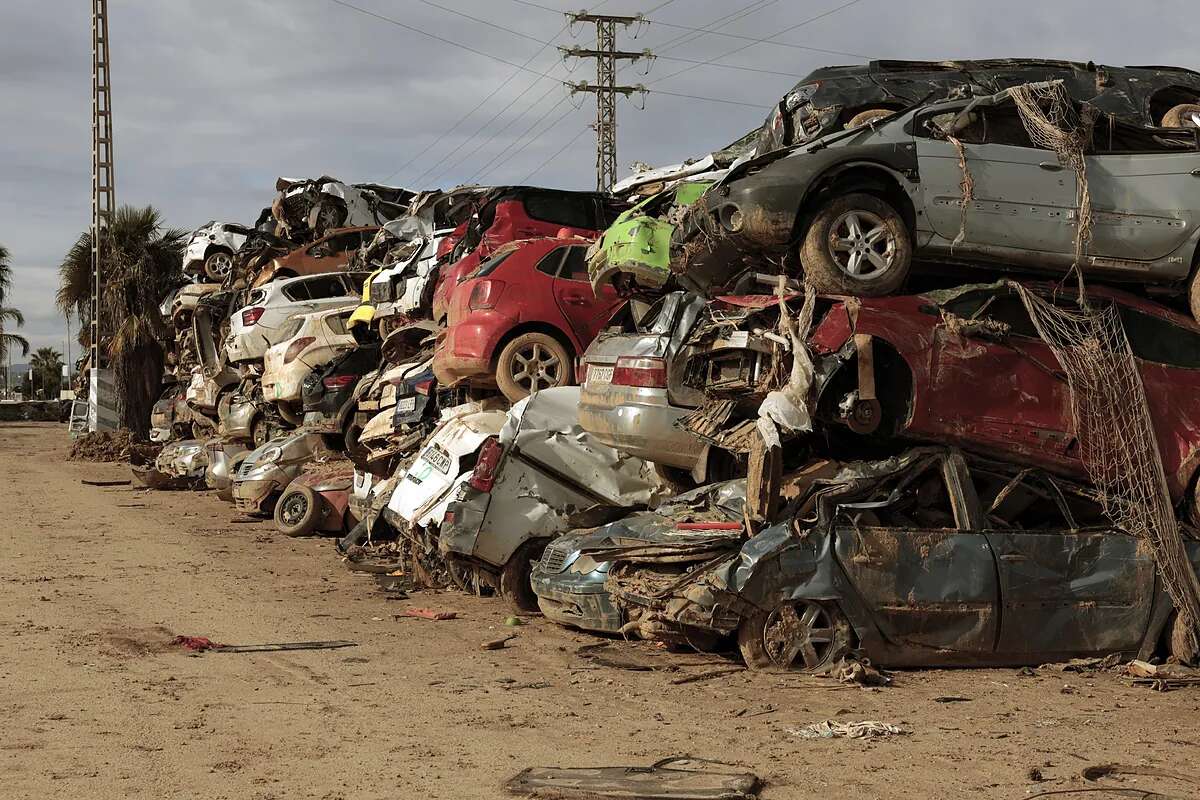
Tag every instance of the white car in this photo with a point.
(314, 341)
(210, 251)
(317, 206)
(264, 320)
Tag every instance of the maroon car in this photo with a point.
(967, 367)
(522, 318)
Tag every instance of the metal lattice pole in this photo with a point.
(606, 88)
(103, 198)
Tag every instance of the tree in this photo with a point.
(143, 263)
(9, 315)
(46, 366)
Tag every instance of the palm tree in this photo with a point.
(47, 367)
(8, 340)
(143, 263)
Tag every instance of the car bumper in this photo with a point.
(642, 427)
(467, 347)
(252, 496)
(576, 601)
(241, 347)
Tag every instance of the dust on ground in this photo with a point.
(95, 581)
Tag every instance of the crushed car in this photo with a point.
(315, 503)
(307, 209)
(264, 320)
(330, 253)
(541, 476)
(211, 249)
(266, 471)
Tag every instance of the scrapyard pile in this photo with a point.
(748, 399)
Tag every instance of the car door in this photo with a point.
(927, 578)
(1018, 400)
(585, 311)
(1069, 583)
(1143, 184)
(1022, 197)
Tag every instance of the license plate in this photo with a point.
(438, 457)
(406, 404)
(600, 375)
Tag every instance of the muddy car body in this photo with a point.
(860, 206)
(308, 209)
(319, 338)
(170, 418)
(267, 471)
(250, 419)
(570, 586)
(832, 98)
(327, 395)
(179, 465)
(1019, 404)
(330, 253)
(625, 399)
(224, 458)
(540, 477)
(921, 559)
(263, 321)
(315, 503)
(210, 251)
(511, 213)
(520, 319)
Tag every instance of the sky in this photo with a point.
(213, 99)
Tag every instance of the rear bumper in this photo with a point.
(643, 428)
(467, 347)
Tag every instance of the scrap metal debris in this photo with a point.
(201, 644)
(678, 778)
(832, 729)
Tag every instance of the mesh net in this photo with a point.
(1054, 122)
(1112, 422)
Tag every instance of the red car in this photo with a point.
(511, 213)
(1005, 394)
(522, 317)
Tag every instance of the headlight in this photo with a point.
(269, 456)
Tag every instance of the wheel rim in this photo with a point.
(220, 264)
(802, 630)
(862, 245)
(536, 367)
(327, 217)
(294, 507)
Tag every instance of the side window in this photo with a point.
(336, 323)
(297, 291)
(1032, 500)
(572, 211)
(1161, 341)
(326, 286)
(574, 266)
(354, 282)
(1003, 306)
(551, 262)
(1002, 125)
(918, 498)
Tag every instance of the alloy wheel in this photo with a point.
(536, 367)
(799, 630)
(219, 265)
(862, 245)
(294, 507)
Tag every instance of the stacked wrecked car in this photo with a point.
(834, 390)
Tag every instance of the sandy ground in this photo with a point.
(94, 581)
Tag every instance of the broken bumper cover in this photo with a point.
(642, 425)
(252, 496)
(576, 600)
(466, 350)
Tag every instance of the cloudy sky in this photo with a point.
(213, 99)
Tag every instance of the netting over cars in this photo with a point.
(1112, 422)
(1055, 122)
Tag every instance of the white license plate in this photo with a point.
(406, 404)
(438, 457)
(600, 375)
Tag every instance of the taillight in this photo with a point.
(484, 476)
(296, 348)
(251, 315)
(339, 381)
(648, 373)
(423, 387)
(485, 295)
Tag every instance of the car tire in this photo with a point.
(324, 217)
(298, 511)
(217, 265)
(868, 116)
(869, 223)
(794, 633)
(515, 586)
(532, 361)
(1184, 115)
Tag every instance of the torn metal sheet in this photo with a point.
(680, 778)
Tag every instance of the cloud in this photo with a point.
(215, 98)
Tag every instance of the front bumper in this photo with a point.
(253, 496)
(646, 430)
(576, 601)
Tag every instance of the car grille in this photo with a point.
(246, 468)
(554, 558)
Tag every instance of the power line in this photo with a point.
(761, 41)
(558, 153)
(495, 164)
(709, 99)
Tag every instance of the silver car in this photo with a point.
(267, 471)
(959, 182)
(625, 400)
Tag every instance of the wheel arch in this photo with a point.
(522, 328)
(868, 177)
(895, 387)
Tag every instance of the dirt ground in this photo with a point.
(95, 581)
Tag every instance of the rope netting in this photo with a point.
(1116, 436)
